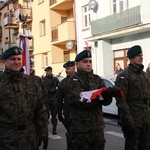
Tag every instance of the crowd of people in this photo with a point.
(29, 101)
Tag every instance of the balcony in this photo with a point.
(9, 44)
(61, 4)
(124, 19)
(10, 22)
(23, 11)
(63, 32)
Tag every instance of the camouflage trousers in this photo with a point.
(137, 141)
(88, 141)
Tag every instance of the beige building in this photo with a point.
(53, 26)
(11, 26)
(50, 22)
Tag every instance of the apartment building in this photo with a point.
(110, 27)
(15, 19)
(53, 28)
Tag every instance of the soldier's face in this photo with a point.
(138, 59)
(85, 64)
(48, 72)
(13, 63)
(70, 70)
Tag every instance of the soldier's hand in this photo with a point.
(113, 92)
(43, 139)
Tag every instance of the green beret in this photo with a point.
(69, 64)
(83, 54)
(48, 68)
(15, 50)
(133, 51)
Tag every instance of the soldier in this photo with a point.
(52, 83)
(63, 100)
(133, 108)
(23, 117)
(86, 124)
(40, 83)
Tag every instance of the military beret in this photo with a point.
(83, 54)
(69, 64)
(133, 51)
(48, 68)
(15, 50)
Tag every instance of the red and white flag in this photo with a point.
(24, 45)
(91, 95)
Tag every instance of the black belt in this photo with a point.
(7, 126)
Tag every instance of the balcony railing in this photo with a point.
(10, 22)
(23, 11)
(8, 44)
(63, 32)
(114, 22)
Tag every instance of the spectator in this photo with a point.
(118, 69)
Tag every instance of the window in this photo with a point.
(86, 16)
(42, 28)
(45, 60)
(119, 5)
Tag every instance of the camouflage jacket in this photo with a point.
(134, 106)
(62, 96)
(23, 115)
(51, 84)
(85, 117)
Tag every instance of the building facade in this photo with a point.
(53, 27)
(15, 19)
(111, 27)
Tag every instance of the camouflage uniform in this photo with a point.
(40, 83)
(63, 106)
(133, 109)
(23, 114)
(52, 85)
(86, 119)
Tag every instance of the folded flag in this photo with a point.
(89, 96)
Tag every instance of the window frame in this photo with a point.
(86, 15)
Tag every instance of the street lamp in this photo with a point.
(93, 5)
(69, 45)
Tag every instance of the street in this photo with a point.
(113, 136)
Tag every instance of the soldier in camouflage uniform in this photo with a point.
(52, 83)
(86, 124)
(23, 117)
(63, 100)
(40, 83)
(134, 110)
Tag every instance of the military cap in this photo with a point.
(133, 51)
(15, 50)
(83, 54)
(69, 64)
(48, 68)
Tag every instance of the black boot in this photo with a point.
(54, 130)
